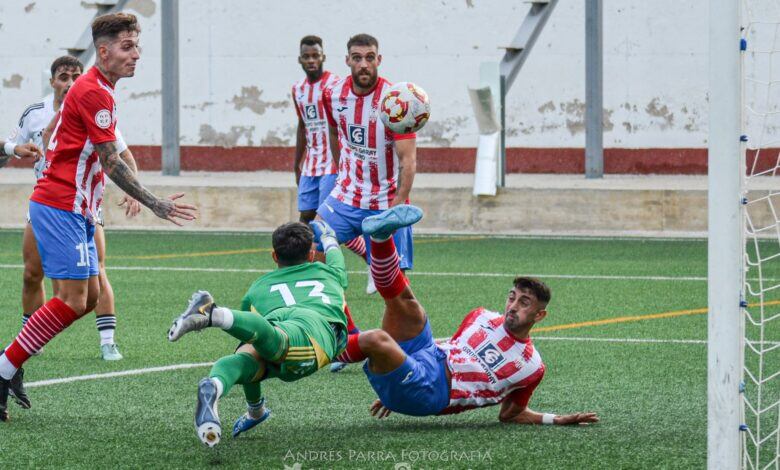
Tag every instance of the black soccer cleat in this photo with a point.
(16, 390)
(5, 386)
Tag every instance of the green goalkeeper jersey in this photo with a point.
(314, 286)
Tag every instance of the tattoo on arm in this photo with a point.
(123, 176)
(129, 160)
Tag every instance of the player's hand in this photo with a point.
(132, 207)
(378, 410)
(169, 210)
(324, 235)
(576, 418)
(28, 150)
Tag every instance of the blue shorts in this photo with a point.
(346, 221)
(66, 242)
(312, 191)
(419, 386)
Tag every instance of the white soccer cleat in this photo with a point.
(196, 317)
(207, 425)
(370, 286)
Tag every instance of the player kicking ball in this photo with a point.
(292, 322)
(490, 359)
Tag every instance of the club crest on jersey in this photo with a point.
(357, 135)
(103, 119)
(491, 355)
(310, 110)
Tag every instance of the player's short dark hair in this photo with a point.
(311, 40)
(537, 287)
(67, 61)
(362, 39)
(292, 243)
(109, 26)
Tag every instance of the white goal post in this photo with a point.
(726, 238)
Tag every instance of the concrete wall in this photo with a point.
(238, 60)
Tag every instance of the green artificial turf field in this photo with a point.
(605, 345)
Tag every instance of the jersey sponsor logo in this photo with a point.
(310, 111)
(491, 355)
(357, 135)
(103, 119)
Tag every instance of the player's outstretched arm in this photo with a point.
(512, 413)
(11, 149)
(407, 168)
(326, 237)
(123, 176)
(300, 149)
(132, 207)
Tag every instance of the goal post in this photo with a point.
(725, 238)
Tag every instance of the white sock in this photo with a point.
(106, 325)
(220, 386)
(222, 317)
(255, 411)
(107, 336)
(7, 370)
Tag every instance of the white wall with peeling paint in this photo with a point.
(238, 60)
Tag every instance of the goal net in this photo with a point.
(760, 386)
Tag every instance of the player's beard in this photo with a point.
(315, 75)
(371, 82)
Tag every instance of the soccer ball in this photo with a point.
(405, 108)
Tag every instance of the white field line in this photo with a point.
(411, 273)
(151, 370)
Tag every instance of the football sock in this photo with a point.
(254, 399)
(106, 325)
(351, 327)
(46, 323)
(352, 353)
(222, 317)
(254, 329)
(233, 369)
(388, 278)
(358, 246)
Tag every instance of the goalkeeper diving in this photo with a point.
(292, 322)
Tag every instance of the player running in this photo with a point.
(64, 72)
(64, 204)
(490, 359)
(376, 166)
(292, 321)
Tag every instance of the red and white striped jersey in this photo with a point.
(488, 364)
(74, 179)
(368, 163)
(307, 98)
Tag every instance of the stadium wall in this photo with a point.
(238, 61)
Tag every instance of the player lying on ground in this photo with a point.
(489, 360)
(65, 202)
(292, 321)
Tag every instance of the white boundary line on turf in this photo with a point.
(150, 370)
(411, 273)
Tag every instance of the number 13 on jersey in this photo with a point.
(287, 295)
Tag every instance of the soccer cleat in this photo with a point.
(338, 366)
(370, 286)
(207, 424)
(382, 226)
(16, 389)
(195, 318)
(110, 352)
(246, 422)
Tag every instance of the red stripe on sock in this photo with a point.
(352, 353)
(351, 327)
(358, 246)
(48, 321)
(385, 270)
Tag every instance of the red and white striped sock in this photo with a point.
(389, 279)
(352, 353)
(358, 246)
(46, 323)
(351, 327)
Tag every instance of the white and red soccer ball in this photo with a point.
(404, 108)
